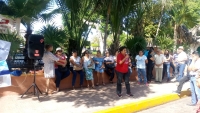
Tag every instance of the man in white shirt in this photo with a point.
(141, 61)
(193, 69)
(159, 60)
(181, 60)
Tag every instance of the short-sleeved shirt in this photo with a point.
(196, 65)
(159, 59)
(182, 56)
(49, 59)
(123, 68)
(109, 59)
(141, 61)
(62, 57)
(76, 60)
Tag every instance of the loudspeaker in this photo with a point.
(35, 46)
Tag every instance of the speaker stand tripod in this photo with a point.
(36, 90)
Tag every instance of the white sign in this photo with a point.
(9, 24)
(5, 79)
(4, 49)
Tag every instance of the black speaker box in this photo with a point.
(35, 46)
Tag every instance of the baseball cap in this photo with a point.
(180, 47)
(58, 49)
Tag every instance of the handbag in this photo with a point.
(76, 68)
(62, 69)
(110, 66)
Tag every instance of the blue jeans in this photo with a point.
(60, 75)
(195, 91)
(126, 77)
(74, 76)
(166, 70)
(142, 72)
(181, 68)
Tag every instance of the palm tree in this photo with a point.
(180, 14)
(77, 14)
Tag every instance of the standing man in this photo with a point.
(159, 60)
(181, 60)
(193, 72)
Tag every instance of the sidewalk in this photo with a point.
(83, 101)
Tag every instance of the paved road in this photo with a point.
(179, 106)
(87, 100)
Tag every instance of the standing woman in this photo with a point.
(88, 65)
(166, 66)
(49, 70)
(76, 67)
(122, 71)
(99, 66)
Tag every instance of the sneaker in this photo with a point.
(130, 95)
(177, 92)
(119, 95)
(147, 84)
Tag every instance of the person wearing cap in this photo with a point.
(109, 66)
(181, 60)
(76, 67)
(60, 71)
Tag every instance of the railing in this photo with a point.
(20, 61)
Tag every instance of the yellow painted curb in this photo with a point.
(145, 104)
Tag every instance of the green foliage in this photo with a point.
(135, 44)
(54, 36)
(164, 42)
(26, 10)
(76, 17)
(15, 41)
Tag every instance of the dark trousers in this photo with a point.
(110, 72)
(60, 75)
(119, 82)
(149, 72)
(173, 67)
(74, 72)
(182, 81)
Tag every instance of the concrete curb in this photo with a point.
(145, 104)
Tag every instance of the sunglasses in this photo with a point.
(59, 51)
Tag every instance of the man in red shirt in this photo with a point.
(122, 71)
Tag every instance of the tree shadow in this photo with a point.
(101, 96)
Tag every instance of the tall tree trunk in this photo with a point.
(106, 27)
(175, 36)
(160, 20)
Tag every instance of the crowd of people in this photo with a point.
(184, 67)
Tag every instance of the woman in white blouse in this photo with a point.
(76, 67)
(49, 70)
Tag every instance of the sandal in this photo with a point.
(88, 86)
(93, 87)
(103, 83)
(97, 84)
